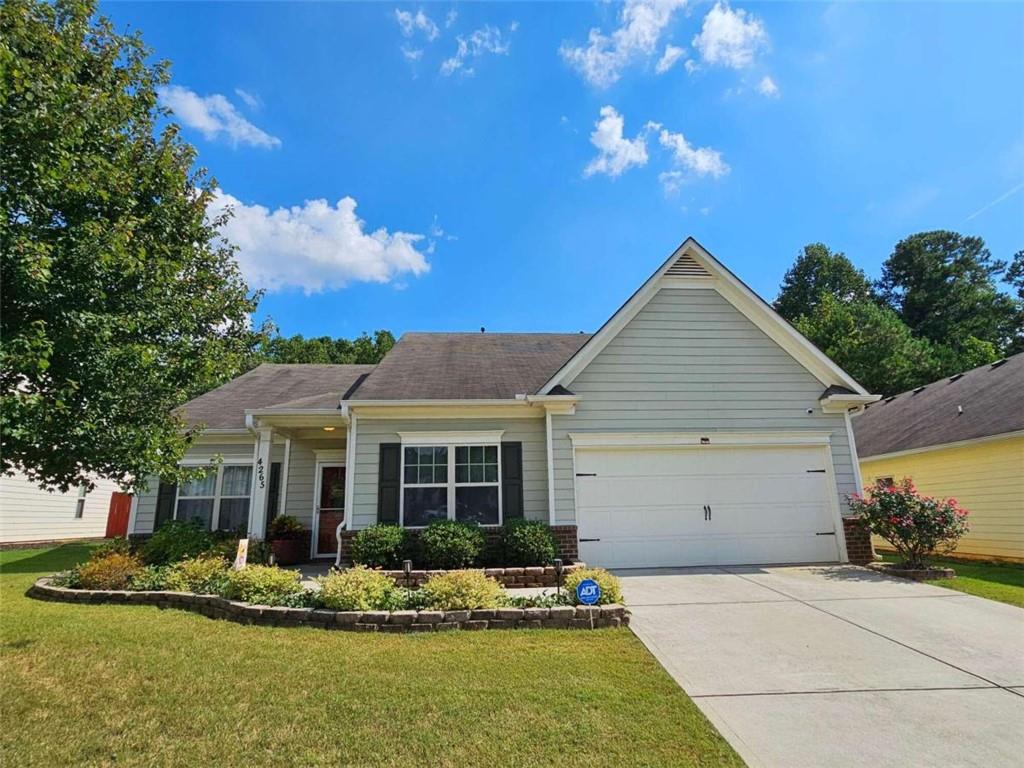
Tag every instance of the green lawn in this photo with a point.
(134, 685)
(996, 581)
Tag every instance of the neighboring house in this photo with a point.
(695, 427)
(30, 514)
(961, 437)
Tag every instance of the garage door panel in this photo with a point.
(645, 508)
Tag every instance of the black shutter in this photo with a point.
(165, 503)
(512, 480)
(389, 483)
(274, 491)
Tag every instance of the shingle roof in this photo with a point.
(272, 385)
(468, 366)
(990, 399)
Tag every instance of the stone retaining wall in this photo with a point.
(563, 617)
(512, 578)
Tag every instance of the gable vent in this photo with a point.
(687, 266)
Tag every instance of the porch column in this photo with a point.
(260, 484)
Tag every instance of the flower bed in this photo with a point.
(510, 578)
(915, 574)
(558, 617)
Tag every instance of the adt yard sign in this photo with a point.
(588, 592)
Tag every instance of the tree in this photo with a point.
(324, 349)
(818, 271)
(872, 344)
(943, 285)
(120, 301)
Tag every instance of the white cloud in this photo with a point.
(730, 38)
(409, 23)
(767, 87)
(616, 154)
(672, 54)
(641, 23)
(213, 116)
(487, 39)
(671, 181)
(411, 54)
(699, 161)
(315, 246)
(252, 101)
(450, 18)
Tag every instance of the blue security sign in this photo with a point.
(588, 592)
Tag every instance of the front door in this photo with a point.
(330, 511)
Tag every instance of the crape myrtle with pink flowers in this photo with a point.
(915, 525)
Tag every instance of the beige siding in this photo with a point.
(689, 361)
(28, 513)
(372, 432)
(987, 479)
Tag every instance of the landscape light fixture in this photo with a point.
(558, 576)
(407, 569)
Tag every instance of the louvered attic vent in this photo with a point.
(687, 266)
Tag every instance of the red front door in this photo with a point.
(117, 516)
(330, 508)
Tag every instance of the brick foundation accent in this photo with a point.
(561, 617)
(858, 541)
(510, 578)
(565, 539)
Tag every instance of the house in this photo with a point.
(694, 427)
(961, 437)
(29, 514)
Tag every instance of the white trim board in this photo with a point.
(684, 439)
(732, 290)
(488, 437)
(944, 446)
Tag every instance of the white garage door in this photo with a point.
(643, 508)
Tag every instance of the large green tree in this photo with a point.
(119, 299)
(944, 287)
(871, 343)
(819, 271)
(325, 349)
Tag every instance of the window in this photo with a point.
(884, 482)
(219, 499)
(456, 482)
(80, 504)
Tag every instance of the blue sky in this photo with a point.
(501, 165)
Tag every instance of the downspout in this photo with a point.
(551, 467)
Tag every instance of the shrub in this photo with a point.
(528, 542)
(262, 584)
(150, 578)
(177, 540)
(206, 574)
(380, 546)
(71, 579)
(111, 571)
(285, 527)
(462, 590)
(118, 544)
(451, 544)
(359, 589)
(611, 592)
(915, 525)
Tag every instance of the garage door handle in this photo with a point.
(707, 511)
(582, 540)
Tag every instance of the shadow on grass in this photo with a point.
(58, 558)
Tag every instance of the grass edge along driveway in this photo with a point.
(134, 685)
(996, 581)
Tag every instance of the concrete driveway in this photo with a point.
(838, 665)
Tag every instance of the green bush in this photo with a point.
(450, 544)
(285, 527)
(118, 544)
(611, 591)
(150, 578)
(380, 546)
(359, 589)
(177, 540)
(528, 543)
(462, 590)
(206, 574)
(111, 571)
(70, 579)
(262, 585)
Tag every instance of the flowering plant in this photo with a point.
(915, 525)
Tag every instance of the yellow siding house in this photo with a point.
(961, 437)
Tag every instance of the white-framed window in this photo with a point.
(80, 503)
(219, 499)
(456, 480)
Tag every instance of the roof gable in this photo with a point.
(691, 266)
